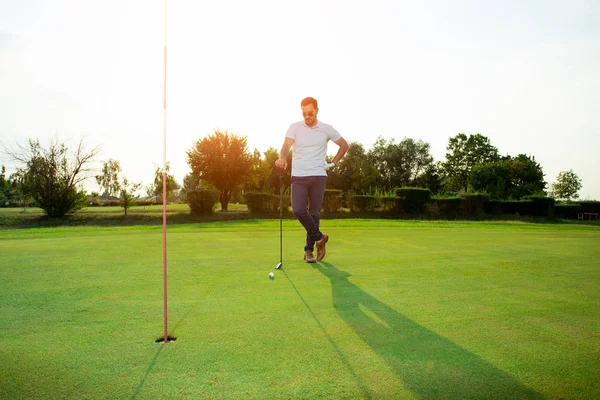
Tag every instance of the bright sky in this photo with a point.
(524, 73)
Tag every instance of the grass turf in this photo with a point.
(398, 309)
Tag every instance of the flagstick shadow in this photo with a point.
(430, 365)
(160, 348)
(137, 391)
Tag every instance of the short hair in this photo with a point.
(309, 100)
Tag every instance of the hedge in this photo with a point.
(534, 206)
(413, 200)
(361, 203)
(507, 207)
(262, 202)
(541, 206)
(332, 200)
(446, 206)
(566, 211)
(389, 203)
(589, 206)
(474, 203)
(202, 201)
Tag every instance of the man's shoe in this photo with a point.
(321, 247)
(308, 257)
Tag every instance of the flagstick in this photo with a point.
(164, 176)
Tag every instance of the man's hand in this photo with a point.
(281, 163)
(328, 165)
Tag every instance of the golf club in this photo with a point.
(278, 266)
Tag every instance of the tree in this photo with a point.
(527, 177)
(464, 152)
(157, 188)
(567, 186)
(493, 178)
(113, 182)
(5, 188)
(265, 175)
(221, 159)
(260, 172)
(149, 191)
(509, 177)
(52, 177)
(354, 172)
(400, 164)
(109, 180)
(430, 179)
(128, 193)
(18, 189)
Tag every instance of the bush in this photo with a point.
(262, 202)
(413, 200)
(506, 206)
(110, 203)
(361, 203)
(533, 206)
(202, 201)
(446, 206)
(590, 206)
(475, 203)
(389, 203)
(566, 210)
(332, 200)
(541, 206)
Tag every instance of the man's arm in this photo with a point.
(341, 151)
(283, 154)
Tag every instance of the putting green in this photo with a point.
(398, 309)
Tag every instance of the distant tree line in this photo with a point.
(473, 165)
(221, 162)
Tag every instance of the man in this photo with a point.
(310, 138)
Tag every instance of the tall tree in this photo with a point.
(400, 164)
(157, 187)
(265, 175)
(221, 159)
(19, 189)
(271, 155)
(567, 186)
(493, 178)
(260, 173)
(430, 179)
(354, 172)
(109, 180)
(464, 152)
(528, 177)
(510, 177)
(5, 189)
(53, 177)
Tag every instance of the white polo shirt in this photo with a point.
(310, 147)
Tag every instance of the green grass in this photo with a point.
(108, 216)
(118, 210)
(114, 216)
(399, 309)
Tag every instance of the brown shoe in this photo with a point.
(321, 247)
(308, 257)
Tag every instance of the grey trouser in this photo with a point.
(309, 189)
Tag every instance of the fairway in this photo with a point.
(397, 310)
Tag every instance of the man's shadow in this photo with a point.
(430, 365)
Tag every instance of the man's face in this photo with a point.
(309, 113)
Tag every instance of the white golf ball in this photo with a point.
(271, 275)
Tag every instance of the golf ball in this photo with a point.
(271, 275)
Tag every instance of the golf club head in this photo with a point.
(278, 266)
